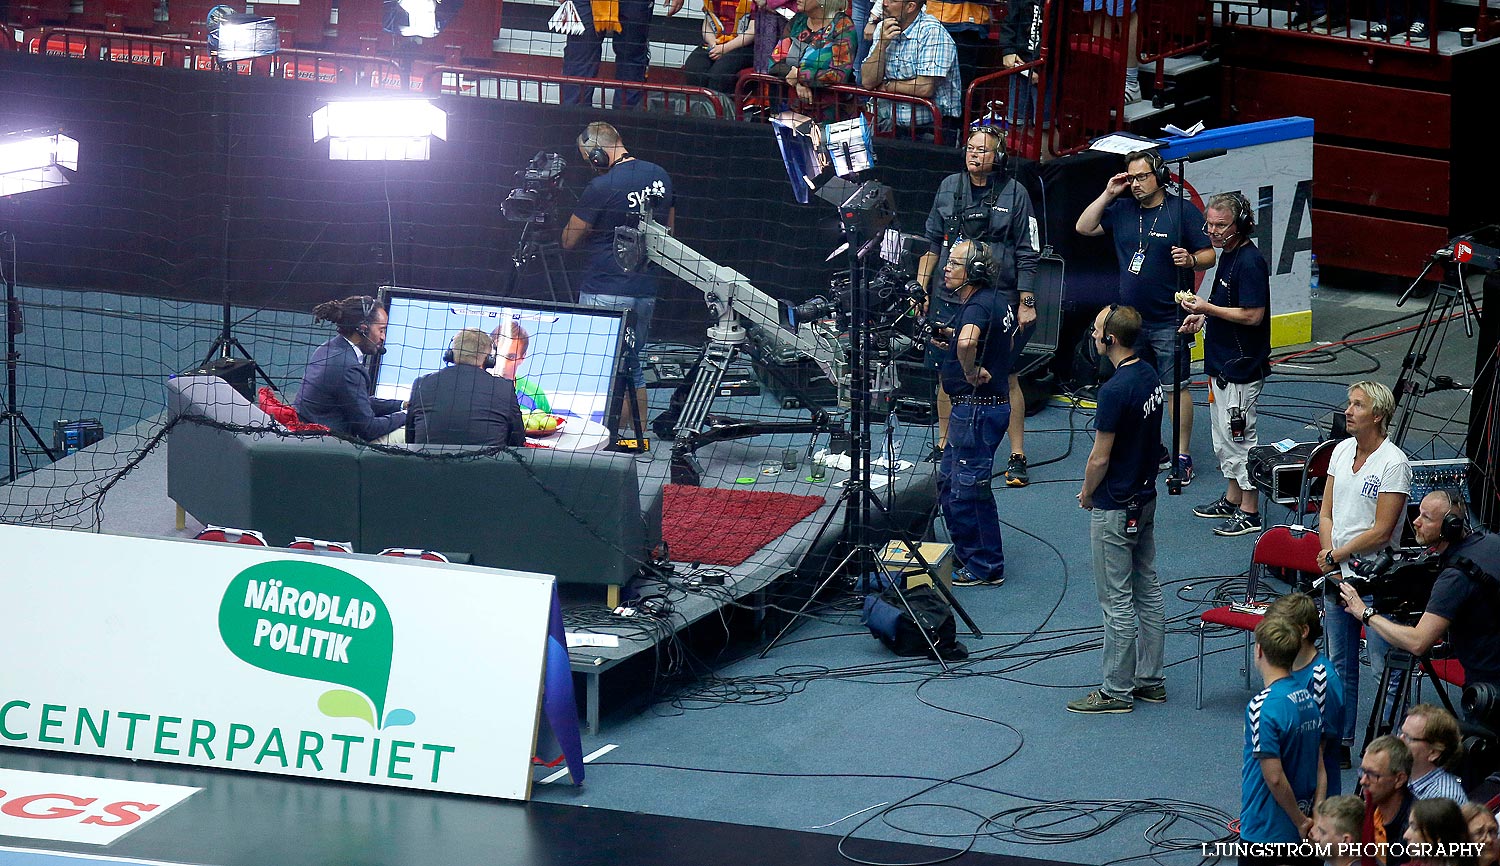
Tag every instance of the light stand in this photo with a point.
(858, 499)
(1440, 306)
(13, 417)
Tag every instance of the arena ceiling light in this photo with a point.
(36, 159)
(236, 36)
(380, 129)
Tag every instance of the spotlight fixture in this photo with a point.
(36, 159)
(380, 129)
(234, 36)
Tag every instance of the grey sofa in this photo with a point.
(576, 515)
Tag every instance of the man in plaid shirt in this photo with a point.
(914, 55)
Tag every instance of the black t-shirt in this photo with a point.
(1239, 353)
(1154, 231)
(614, 199)
(1130, 406)
(989, 311)
(1472, 607)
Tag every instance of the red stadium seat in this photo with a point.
(318, 545)
(231, 536)
(414, 553)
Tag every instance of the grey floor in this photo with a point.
(832, 733)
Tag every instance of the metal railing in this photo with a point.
(1347, 20)
(433, 82)
(1171, 28)
(756, 95)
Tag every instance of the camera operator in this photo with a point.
(1465, 601)
(983, 203)
(612, 199)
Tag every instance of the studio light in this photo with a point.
(234, 36)
(380, 129)
(36, 159)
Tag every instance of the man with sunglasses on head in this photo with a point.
(985, 203)
(1236, 355)
(1156, 240)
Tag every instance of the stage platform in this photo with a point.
(65, 495)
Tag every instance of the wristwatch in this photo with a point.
(1028, 300)
(1364, 618)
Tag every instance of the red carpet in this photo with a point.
(724, 527)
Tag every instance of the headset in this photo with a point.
(1105, 337)
(1159, 167)
(1455, 526)
(598, 156)
(980, 268)
(490, 360)
(1244, 217)
(366, 314)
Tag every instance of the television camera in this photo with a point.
(534, 198)
(1399, 581)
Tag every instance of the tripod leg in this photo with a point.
(914, 548)
(841, 502)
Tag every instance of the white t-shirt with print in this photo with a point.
(1356, 494)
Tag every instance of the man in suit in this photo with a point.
(463, 404)
(335, 388)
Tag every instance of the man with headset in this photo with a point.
(1156, 240)
(984, 203)
(614, 198)
(463, 404)
(1465, 600)
(1236, 355)
(1119, 492)
(974, 375)
(335, 388)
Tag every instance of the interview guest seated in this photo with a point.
(335, 388)
(463, 404)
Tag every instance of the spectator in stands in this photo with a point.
(968, 22)
(1383, 772)
(1236, 321)
(335, 388)
(911, 54)
(1313, 671)
(512, 342)
(1435, 833)
(1484, 831)
(770, 29)
(1020, 43)
(728, 45)
(1105, 22)
(1431, 733)
(1337, 821)
(1364, 502)
(628, 24)
(819, 49)
(985, 203)
(1388, 20)
(461, 404)
(1157, 251)
(612, 199)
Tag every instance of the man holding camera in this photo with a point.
(983, 203)
(615, 198)
(974, 373)
(1236, 355)
(1465, 600)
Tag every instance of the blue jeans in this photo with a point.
(1163, 340)
(1135, 620)
(974, 433)
(1343, 650)
(859, 12)
(582, 53)
(638, 331)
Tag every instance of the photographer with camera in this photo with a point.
(1364, 498)
(614, 198)
(1465, 600)
(984, 203)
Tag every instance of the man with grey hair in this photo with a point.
(1383, 774)
(462, 404)
(1236, 355)
(1364, 500)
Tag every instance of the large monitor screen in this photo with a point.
(563, 358)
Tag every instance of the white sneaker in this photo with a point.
(1132, 91)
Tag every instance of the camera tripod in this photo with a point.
(857, 500)
(1415, 380)
(13, 418)
(1397, 679)
(548, 252)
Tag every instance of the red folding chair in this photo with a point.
(226, 535)
(1289, 548)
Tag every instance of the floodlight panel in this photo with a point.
(421, 18)
(242, 37)
(387, 118)
(31, 162)
(374, 148)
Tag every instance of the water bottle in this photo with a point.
(1313, 280)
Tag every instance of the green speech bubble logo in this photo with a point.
(312, 621)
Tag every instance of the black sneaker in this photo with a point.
(1220, 508)
(1240, 523)
(1378, 30)
(1015, 471)
(964, 577)
(1185, 469)
(1417, 32)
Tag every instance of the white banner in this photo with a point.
(342, 668)
(80, 808)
